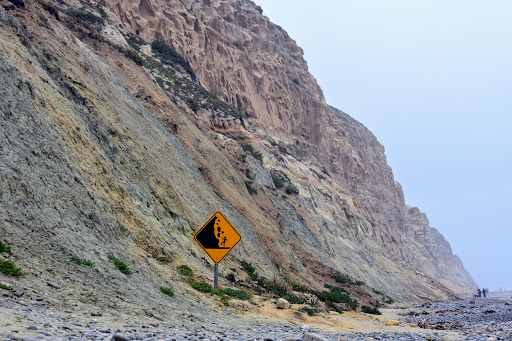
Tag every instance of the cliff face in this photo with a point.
(107, 145)
(254, 65)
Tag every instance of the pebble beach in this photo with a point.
(468, 319)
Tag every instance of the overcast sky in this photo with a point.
(433, 81)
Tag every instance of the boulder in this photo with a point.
(312, 337)
(282, 304)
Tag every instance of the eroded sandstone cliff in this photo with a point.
(109, 147)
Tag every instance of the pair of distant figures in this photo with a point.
(479, 292)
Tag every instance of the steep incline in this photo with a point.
(254, 65)
(98, 153)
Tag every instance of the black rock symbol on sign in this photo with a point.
(212, 236)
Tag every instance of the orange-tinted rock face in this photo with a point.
(240, 55)
(153, 181)
(255, 66)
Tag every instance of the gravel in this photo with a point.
(488, 319)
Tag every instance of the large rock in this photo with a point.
(282, 304)
(312, 337)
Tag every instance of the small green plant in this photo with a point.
(201, 286)
(250, 189)
(378, 292)
(342, 278)
(309, 310)
(86, 16)
(4, 247)
(160, 82)
(300, 287)
(120, 264)
(249, 174)
(161, 258)
(250, 149)
(336, 295)
(185, 270)
(291, 189)
(234, 293)
(167, 291)
(249, 269)
(8, 268)
(6, 287)
(243, 158)
(134, 41)
(369, 310)
(278, 182)
(112, 277)
(169, 55)
(83, 261)
(224, 299)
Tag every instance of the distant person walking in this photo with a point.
(484, 292)
(479, 293)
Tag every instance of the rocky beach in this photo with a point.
(467, 319)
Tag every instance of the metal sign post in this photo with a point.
(216, 277)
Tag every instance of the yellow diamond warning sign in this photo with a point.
(217, 237)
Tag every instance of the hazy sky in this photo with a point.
(433, 81)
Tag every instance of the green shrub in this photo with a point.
(248, 147)
(4, 247)
(277, 181)
(378, 292)
(299, 287)
(291, 189)
(258, 155)
(250, 270)
(250, 189)
(134, 41)
(135, 57)
(201, 286)
(170, 55)
(50, 8)
(224, 299)
(309, 310)
(336, 295)
(255, 153)
(167, 291)
(160, 82)
(6, 287)
(235, 293)
(86, 16)
(8, 268)
(120, 264)
(243, 157)
(82, 261)
(161, 258)
(369, 310)
(249, 174)
(342, 278)
(185, 270)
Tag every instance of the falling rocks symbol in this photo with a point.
(211, 236)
